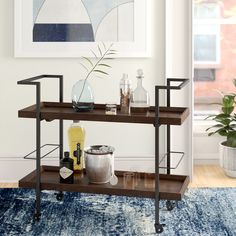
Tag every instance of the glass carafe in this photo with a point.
(140, 100)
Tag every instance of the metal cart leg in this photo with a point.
(38, 156)
(158, 225)
(32, 81)
(60, 195)
(168, 130)
(61, 121)
(170, 205)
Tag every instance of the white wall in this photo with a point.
(205, 148)
(179, 65)
(17, 135)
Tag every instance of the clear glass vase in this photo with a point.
(82, 96)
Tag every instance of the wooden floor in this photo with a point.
(8, 185)
(211, 176)
(204, 176)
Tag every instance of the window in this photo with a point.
(214, 52)
(206, 49)
(206, 35)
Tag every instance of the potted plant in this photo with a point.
(82, 92)
(226, 126)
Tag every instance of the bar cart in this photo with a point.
(165, 186)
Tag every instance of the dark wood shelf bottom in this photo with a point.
(172, 187)
(63, 111)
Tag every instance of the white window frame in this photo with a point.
(199, 116)
(216, 22)
(215, 63)
(210, 22)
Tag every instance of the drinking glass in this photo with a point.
(129, 180)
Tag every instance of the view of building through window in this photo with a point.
(214, 52)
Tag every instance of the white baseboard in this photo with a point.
(206, 162)
(13, 169)
(206, 159)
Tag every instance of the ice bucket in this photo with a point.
(99, 163)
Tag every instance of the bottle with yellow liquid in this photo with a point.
(76, 136)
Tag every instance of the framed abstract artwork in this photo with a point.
(72, 28)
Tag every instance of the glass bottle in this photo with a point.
(76, 137)
(140, 100)
(125, 93)
(66, 169)
(82, 96)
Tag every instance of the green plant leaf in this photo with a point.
(97, 66)
(222, 116)
(231, 139)
(102, 64)
(110, 53)
(228, 100)
(226, 122)
(88, 60)
(210, 134)
(227, 110)
(208, 117)
(214, 126)
(102, 72)
(221, 131)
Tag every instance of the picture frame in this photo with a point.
(44, 40)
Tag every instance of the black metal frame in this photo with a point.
(165, 158)
(168, 88)
(56, 146)
(31, 81)
(34, 81)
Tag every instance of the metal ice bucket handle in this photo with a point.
(112, 166)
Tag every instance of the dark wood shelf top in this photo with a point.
(172, 187)
(64, 111)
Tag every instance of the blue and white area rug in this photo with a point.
(203, 212)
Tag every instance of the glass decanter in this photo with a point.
(140, 100)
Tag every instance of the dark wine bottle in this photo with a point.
(66, 169)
